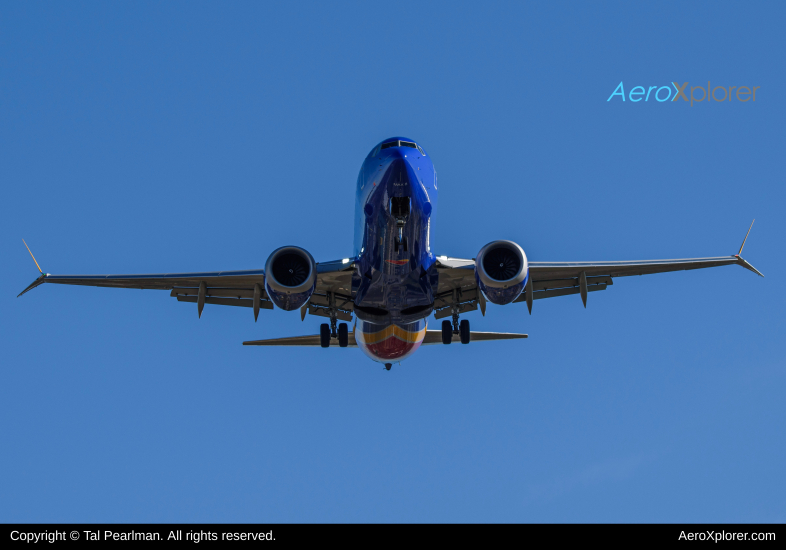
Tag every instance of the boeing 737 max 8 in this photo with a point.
(393, 282)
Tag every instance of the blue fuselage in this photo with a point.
(395, 279)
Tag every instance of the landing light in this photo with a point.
(345, 261)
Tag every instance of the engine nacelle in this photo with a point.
(501, 271)
(290, 277)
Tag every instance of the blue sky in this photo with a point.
(192, 136)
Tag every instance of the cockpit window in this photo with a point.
(421, 151)
(400, 144)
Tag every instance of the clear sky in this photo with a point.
(138, 138)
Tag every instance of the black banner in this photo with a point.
(272, 534)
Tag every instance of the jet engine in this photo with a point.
(501, 271)
(290, 277)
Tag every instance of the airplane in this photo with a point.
(393, 282)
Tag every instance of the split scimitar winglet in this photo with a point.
(40, 279)
(746, 237)
(39, 267)
(742, 262)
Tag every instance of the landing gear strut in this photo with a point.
(399, 208)
(456, 327)
(332, 304)
(401, 242)
(388, 365)
(334, 330)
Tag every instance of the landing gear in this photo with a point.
(449, 329)
(388, 365)
(447, 332)
(399, 208)
(343, 335)
(464, 331)
(401, 242)
(324, 335)
(334, 330)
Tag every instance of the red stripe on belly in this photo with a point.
(392, 348)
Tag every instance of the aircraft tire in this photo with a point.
(324, 335)
(464, 331)
(343, 335)
(447, 332)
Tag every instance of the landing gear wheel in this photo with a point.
(447, 332)
(401, 243)
(388, 365)
(343, 335)
(464, 331)
(324, 335)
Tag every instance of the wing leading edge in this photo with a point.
(551, 279)
(227, 288)
(432, 337)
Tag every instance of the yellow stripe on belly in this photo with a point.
(387, 332)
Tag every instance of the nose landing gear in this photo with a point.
(401, 242)
(399, 209)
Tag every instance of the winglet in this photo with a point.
(746, 238)
(39, 280)
(36, 263)
(740, 260)
(748, 266)
(34, 284)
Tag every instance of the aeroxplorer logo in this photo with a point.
(697, 93)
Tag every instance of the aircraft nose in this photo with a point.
(400, 176)
(407, 153)
(397, 153)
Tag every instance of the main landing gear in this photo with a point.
(326, 335)
(333, 330)
(449, 329)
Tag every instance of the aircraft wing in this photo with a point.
(550, 279)
(432, 337)
(227, 288)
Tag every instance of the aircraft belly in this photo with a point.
(393, 282)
